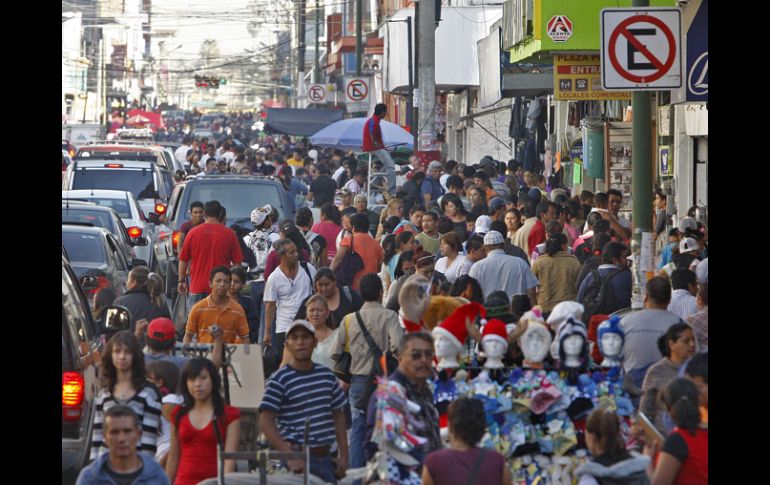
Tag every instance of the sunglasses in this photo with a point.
(416, 354)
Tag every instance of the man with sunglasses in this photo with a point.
(415, 367)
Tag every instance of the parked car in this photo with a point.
(146, 180)
(82, 213)
(96, 259)
(237, 193)
(130, 213)
(128, 150)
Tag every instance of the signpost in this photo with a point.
(641, 49)
(357, 94)
(316, 93)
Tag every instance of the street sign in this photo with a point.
(316, 93)
(356, 90)
(697, 57)
(559, 28)
(641, 48)
(665, 162)
(577, 77)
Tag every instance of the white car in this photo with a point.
(129, 211)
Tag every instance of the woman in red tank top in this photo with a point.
(192, 455)
(684, 457)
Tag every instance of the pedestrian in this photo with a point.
(452, 261)
(414, 224)
(123, 464)
(546, 212)
(595, 259)
(453, 208)
(553, 227)
(429, 238)
(475, 252)
(620, 225)
(219, 310)
(498, 271)
(497, 208)
(684, 285)
(478, 199)
(394, 209)
(404, 269)
(700, 320)
(357, 182)
(684, 456)
(676, 345)
(364, 245)
(614, 269)
(513, 223)
(144, 298)
(164, 375)
(521, 238)
(464, 461)
(303, 391)
(360, 203)
(415, 367)
(481, 179)
(383, 326)
(125, 383)
(192, 455)
(161, 339)
(286, 288)
(431, 189)
(329, 228)
(294, 188)
(373, 142)
(509, 248)
(207, 246)
(610, 462)
(288, 230)
(557, 272)
(570, 212)
(196, 218)
(642, 329)
(323, 188)
(454, 185)
(103, 298)
(319, 316)
(340, 300)
(685, 258)
(238, 280)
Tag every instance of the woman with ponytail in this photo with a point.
(144, 298)
(684, 458)
(557, 271)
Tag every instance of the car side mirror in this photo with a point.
(138, 262)
(139, 241)
(154, 218)
(89, 283)
(116, 318)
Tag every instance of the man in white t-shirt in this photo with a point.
(181, 153)
(287, 286)
(356, 184)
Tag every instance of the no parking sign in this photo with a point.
(641, 48)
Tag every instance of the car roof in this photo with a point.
(233, 178)
(127, 164)
(87, 207)
(83, 229)
(120, 147)
(88, 193)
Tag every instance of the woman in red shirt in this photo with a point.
(192, 456)
(684, 459)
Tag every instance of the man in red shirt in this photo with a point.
(207, 245)
(373, 143)
(546, 212)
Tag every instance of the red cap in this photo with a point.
(454, 325)
(494, 329)
(161, 330)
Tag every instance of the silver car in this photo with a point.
(129, 211)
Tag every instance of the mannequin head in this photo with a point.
(535, 343)
(494, 341)
(611, 339)
(573, 347)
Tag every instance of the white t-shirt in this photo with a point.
(353, 186)
(164, 437)
(181, 154)
(450, 272)
(288, 294)
(337, 173)
(442, 181)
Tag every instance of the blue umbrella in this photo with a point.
(348, 135)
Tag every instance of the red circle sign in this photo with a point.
(357, 90)
(316, 93)
(662, 68)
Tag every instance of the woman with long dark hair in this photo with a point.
(557, 271)
(452, 207)
(125, 383)
(340, 300)
(144, 298)
(192, 456)
(329, 227)
(288, 230)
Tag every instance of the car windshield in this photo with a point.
(138, 182)
(238, 198)
(83, 248)
(118, 205)
(95, 218)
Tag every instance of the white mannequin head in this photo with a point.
(611, 340)
(447, 351)
(535, 342)
(573, 348)
(494, 350)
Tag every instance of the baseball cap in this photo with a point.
(688, 244)
(259, 214)
(496, 203)
(534, 193)
(301, 323)
(482, 224)
(687, 223)
(161, 330)
(435, 164)
(493, 238)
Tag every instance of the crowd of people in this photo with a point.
(361, 292)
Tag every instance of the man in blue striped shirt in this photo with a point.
(304, 390)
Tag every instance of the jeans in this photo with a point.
(322, 467)
(358, 433)
(257, 293)
(390, 168)
(638, 376)
(193, 298)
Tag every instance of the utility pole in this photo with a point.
(427, 74)
(300, 52)
(415, 110)
(359, 35)
(410, 107)
(641, 165)
(317, 76)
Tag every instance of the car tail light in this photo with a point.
(175, 239)
(160, 208)
(72, 394)
(134, 231)
(72, 153)
(113, 165)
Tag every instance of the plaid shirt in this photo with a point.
(700, 326)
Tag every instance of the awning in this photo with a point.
(527, 84)
(303, 122)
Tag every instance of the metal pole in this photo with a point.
(317, 77)
(410, 106)
(641, 165)
(427, 77)
(416, 69)
(359, 35)
(300, 51)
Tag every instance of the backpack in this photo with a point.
(316, 243)
(598, 298)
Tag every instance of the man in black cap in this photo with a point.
(497, 207)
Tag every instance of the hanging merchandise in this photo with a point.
(534, 112)
(517, 129)
(584, 139)
(596, 153)
(530, 155)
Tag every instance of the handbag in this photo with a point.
(371, 382)
(179, 315)
(341, 367)
(350, 265)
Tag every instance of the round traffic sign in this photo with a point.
(316, 93)
(661, 68)
(357, 90)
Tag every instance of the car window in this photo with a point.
(83, 248)
(176, 197)
(168, 181)
(120, 261)
(238, 198)
(122, 232)
(96, 218)
(118, 205)
(74, 306)
(141, 183)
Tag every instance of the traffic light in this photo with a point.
(207, 82)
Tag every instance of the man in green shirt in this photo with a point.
(429, 237)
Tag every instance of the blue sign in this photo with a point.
(698, 56)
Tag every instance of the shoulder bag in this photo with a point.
(371, 383)
(341, 366)
(350, 265)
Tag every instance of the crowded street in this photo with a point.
(298, 246)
